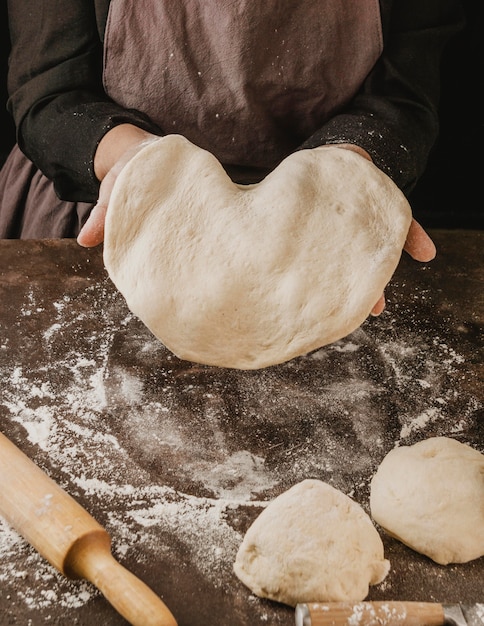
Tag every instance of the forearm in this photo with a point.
(56, 94)
(394, 117)
(401, 155)
(64, 146)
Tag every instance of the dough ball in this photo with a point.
(247, 276)
(430, 496)
(311, 544)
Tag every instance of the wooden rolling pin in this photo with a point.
(70, 539)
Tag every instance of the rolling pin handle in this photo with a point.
(90, 558)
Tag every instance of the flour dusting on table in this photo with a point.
(172, 466)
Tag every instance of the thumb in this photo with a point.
(92, 233)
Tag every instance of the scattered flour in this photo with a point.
(146, 469)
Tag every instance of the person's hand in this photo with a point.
(418, 244)
(420, 247)
(116, 148)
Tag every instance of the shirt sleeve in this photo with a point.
(61, 110)
(56, 95)
(394, 117)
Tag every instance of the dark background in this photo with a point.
(449, 194)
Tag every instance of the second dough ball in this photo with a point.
(430, 496)
(311, 544)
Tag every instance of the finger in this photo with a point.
(419, 245)
(92, 233)
(379, 306)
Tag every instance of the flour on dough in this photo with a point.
(248, 276)
(430, 496)
(311, 544)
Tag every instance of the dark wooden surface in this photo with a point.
(176, 459)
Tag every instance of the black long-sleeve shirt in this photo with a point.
(61, 111)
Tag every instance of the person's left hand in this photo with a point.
(418, 244)
(420, 247)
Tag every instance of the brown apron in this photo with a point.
(29, 206)
(248, 81)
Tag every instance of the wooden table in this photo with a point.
(176, 459)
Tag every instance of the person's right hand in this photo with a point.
(115, 150)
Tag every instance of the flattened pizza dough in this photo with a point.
(311, 544)
(430, 496)
(248, 276)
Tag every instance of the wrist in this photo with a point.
(114, 144)
(354, 148)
